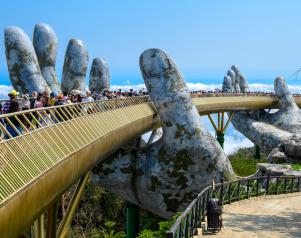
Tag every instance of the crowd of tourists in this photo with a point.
(16, 103)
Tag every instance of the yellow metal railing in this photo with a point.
(35, 140)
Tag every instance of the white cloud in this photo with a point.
(4, 89)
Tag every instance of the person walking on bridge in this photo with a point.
(12, 106)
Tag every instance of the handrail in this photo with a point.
(47, 116)
(227, 192)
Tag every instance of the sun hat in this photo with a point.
(13, 93)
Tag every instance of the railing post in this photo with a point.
(257, 187)
(132, 220)
(298, 185)
(285, 184)
(229, 191)
(267, 185)
(186, 230)
(238, 190)
(222, 193)
(277, 185)
(292, 184)
(203, 208)
(248, 188)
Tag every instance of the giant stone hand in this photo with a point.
(31, 65)
(166, 175)
(276, 133)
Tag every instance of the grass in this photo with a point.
(244, 163)
(296, 166)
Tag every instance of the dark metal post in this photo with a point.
(277, 185)
(292, 185)
(132, 220)
(298, 185)
(257, 187)
(267, 185)
(222, 193)
(285, 184)
(229, 192)
(186, 226)
(248, 188)
(238, 190)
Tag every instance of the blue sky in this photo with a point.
(204, 37)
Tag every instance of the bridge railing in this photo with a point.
(23, 122)
(191, 219)
(33, 141)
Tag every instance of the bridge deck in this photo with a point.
(269, 216)
(42, 162)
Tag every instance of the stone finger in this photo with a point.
(75, 66)
(22, 63)
(45, 45)
(99, 75)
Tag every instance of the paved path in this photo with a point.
(269, 216)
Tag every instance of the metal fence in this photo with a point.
(190, 220)
(23, 122)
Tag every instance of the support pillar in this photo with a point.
(221, 126)
(51, 221)
(257, 152)
(220, 137)
(132, 220)
(67, 219)
(39, 227)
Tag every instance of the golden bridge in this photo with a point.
(58, 146)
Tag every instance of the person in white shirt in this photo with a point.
(88, 97)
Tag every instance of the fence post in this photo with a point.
(186, 226)
(268, 185)
(248, 188)
(192, 222)
(298, 184)
(285, 184)
(257, 187)
(277, 185)
(230, 192)
(292, 184)
(222, 193)
(238, 190)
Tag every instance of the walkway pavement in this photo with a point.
(269, 216)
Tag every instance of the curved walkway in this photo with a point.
(269, 216)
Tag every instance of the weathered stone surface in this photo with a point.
(277, 170)
(166, 175)
(270, 130)
(99, 75)
(22, 62)
(45, 45)
(75, 66)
